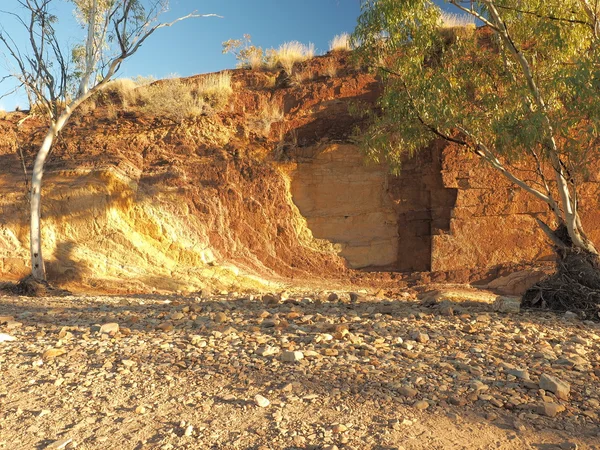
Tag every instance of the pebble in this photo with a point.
(407, 391)
(109, 328)
(261, 401)
(53, 353)
(292, 356)
(421, 405)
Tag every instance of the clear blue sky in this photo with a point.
(194, 46)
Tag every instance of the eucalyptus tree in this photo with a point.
(520, 93)
(59, 77)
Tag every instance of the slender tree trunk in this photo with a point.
(38, 269)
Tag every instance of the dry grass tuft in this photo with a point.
(215, 89)
(292, 52)
(452, 20)
(340, 43)
(267, 114)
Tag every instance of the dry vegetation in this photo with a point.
(340, 43)
(451, 20)
(252, 57)
(173, 99)
(269, 112)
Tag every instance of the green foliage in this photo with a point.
(470, 87)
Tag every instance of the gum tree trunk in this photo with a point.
(38, 269)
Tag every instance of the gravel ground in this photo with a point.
(295, 370)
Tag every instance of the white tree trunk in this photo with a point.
(38, 269)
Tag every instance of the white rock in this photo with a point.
(261, 401)
(6, 337)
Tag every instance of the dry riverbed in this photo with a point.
(306, 371)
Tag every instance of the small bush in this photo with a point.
(249, 56)
(178, 100)
(340, 43)
(215, 89)
(171, 99)
(292, 52)
(121, 91)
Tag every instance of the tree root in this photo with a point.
(31, 287)
(574, 287)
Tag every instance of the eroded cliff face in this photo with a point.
(249, 199)
(345, 201)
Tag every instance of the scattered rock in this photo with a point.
(508, 305)
(407, 391)
(267, 350)
(421, 405)
(53, 353)
(550, 409)
(261, 401)
(110, 328)
(292, 356)
(6, 337)
(555, 385)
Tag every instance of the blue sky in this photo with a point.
(194, 46)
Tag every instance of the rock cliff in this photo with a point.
(252, 196)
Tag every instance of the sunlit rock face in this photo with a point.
(346, 202)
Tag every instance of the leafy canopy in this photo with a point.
(468, 85)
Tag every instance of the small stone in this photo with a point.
(339, 428)
(570, 315)
(407, 391)
(555, 385)
(422, 338)
(60, 444)
(261, 401)
(447, 310)
(292, 356)
(421, 405)
(140, 410)
(177, 316)
(457, 400)
(550, 409)
(6, 319)
(270, 299)
(128, 363)
(53, 353)
(509, 305)
(568, 446)
(6, 337)
(267, 350)
(110, 328)
(220, 317)
(522, 374)
(165, 326)
(333, 297)
(189, 430)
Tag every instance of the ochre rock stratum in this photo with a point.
(238, 199)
